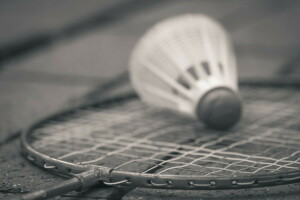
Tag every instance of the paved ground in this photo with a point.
(56, 55)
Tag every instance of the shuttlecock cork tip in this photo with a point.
(219, 109)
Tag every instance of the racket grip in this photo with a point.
(64, 187)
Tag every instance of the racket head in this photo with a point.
(133, 144)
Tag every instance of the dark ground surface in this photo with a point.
(57, 55)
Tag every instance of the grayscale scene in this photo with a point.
(150, 99)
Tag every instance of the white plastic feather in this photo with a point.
(178, 61)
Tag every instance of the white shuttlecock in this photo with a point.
(187, 64)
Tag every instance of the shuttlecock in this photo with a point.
(187, 64)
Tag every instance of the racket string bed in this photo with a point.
(137, 142)
(185, 153)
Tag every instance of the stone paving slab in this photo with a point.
(23, 104)
(279, 29)
(93, 55)
(24, 19)
(137, 24)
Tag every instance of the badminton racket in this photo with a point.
(123, 142)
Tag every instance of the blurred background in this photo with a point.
(59, 54)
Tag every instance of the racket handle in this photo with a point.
(64, 187)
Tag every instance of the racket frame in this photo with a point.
(92, 174)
